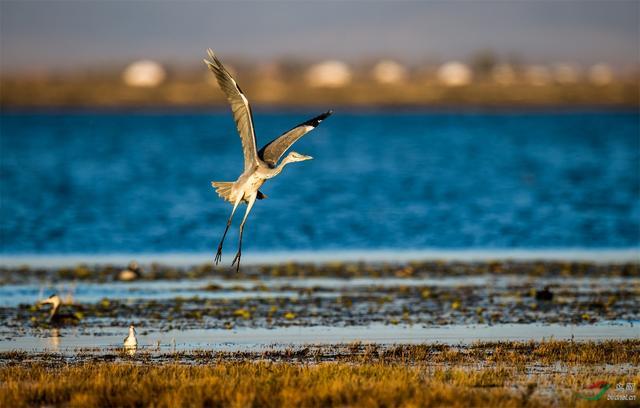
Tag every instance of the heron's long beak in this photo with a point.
(307, 158)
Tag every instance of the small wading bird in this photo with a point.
(259, 165)
(131, 342)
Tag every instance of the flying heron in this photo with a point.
(259, 165)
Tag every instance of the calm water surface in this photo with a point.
(279, 338)
(140, 182)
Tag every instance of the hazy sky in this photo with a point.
(66, 34)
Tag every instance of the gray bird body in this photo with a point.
(259, 165)
(250, 181)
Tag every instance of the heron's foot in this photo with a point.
(236, 260)
(218, 257)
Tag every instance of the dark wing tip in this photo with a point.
(316, 121)
(325, 115)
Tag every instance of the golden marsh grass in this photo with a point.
(266, 384)
(485, 374)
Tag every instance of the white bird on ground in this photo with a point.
(131, 342)
(259, 165)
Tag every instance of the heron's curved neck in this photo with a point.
(54, 309)
(276, 170)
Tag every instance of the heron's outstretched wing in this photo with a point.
(239, 106)
(272, 151)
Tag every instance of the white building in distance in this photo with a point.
(455, 74)
(389, 72)
(144, 73)
(329, 74)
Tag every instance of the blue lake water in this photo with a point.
(140, 182)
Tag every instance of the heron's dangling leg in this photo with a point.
(219, 253)
(252, 200)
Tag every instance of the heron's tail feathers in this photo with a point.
(223, 188)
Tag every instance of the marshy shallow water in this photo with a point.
(538, 374)
(109, 339)
(279, 306)
(420, 333)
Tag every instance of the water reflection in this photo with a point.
(130, 350)
(54, 339)
(260, 338)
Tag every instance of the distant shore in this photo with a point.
(110, 93)
(345, 264)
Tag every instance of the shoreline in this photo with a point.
(595, 255)
(258, 339)
(620, 352)
(459, 109)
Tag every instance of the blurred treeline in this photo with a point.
(484, 81)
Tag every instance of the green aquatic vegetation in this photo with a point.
(370, 303)
(345, 301)
(194, 314)
(244, 313)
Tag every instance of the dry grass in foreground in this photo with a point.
(265, 384)
(492, 374)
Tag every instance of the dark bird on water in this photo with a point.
(259, 165)
(544, 294)
(132, 272)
